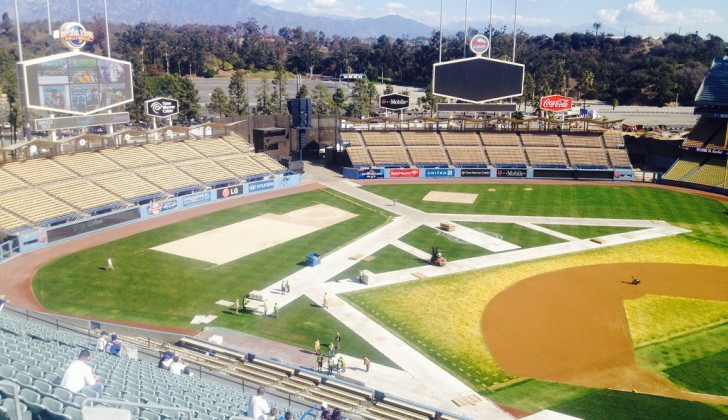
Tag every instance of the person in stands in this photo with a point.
(178, 367)
(101, 342)
(79, 376)
(258, 407)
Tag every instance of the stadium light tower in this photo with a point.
(490, 29)
(515, 18)
(16, 7)
(465, 33)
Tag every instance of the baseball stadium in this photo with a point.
(461, 268)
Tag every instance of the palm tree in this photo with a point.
(587, 80)
(597, 26)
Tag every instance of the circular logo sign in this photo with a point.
(479, 44)
(74, 35)
(42, 238)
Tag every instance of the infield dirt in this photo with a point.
(570, 326)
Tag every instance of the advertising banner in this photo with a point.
(394, 101)
(373, 173)
(440, 173)
(87, 226)
(512, 173)
(195, 199)
(258, 186)
(554, 173)
(475, 172)
(404, 173)
(556, 103)
(624, 175)
(161, 206)
(161, 107)
(228, 192)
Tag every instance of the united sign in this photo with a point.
(556, 103)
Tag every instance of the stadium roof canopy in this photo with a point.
(712, 97)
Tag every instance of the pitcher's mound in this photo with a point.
(450, 197)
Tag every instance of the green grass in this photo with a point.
(389, 258)
(609, 405)
(515, 234)
(425, 237)
(687, 348)
(299, 324)
(162, 289)
(708, 375)
(586, 232)
(708, 219)
(534, 396)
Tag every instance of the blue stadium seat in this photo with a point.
(73, 412)
(148, 415)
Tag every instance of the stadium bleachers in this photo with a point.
(613, 139)
(587, 157)
(506, 156)
(168, 178)
(499, 139)
(450, 138)
(213, 147)
(9, 221)
(268, 162)
(428, 155)
(581, 140)
(83, 195)
(359, 156)
(36, 205)
(239, 143)
(420, 138)
(388, 155)
(39, 171)
(87, 163)
(540, 140)
(619, 158)
(242, 166)
(710, 173)
(9, 182)
(546, 156)
(132, 157)
(352, 137)
(127, 185)
(206, 172)
(682, 167)
(467, 155)
(376, 138)
(705, 130)
(173, 151)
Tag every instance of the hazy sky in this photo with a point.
(639, 17)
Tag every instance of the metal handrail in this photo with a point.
(16, 396)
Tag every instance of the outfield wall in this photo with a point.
(491, 173)
(36, 238)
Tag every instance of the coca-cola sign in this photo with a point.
(479, 44)
(556, 103)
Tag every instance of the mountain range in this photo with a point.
(218, 12)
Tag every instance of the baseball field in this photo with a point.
(596, 337)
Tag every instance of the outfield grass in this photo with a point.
(178, 288)
(389, 258)
(708, 375)
(425, 237)
(299, 324)
(515, 234)
(708, 219)
(586, 232)
(661, 356)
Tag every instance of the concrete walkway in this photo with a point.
(421, 379)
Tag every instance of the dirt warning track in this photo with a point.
(570, 326)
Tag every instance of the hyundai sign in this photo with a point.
(161, 107)
(394, 101)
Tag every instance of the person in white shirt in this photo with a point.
(178, 367)
(79, 376)
(258, 407)
(101, 342)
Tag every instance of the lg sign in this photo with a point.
(556, 103)
(394, 101)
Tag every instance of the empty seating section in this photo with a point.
(546, 156)
(39, 171)
(173, 151)
(428, 155)
(719, 140)
(358, 156)
(242, 166)
(376, 138)
(127, 185)
(450, 138)
(351, 137)
(388, 156)
(206, 172)
(168, 178)
(540, 140)
(418, 138)
(268, 162)
(506, 155)
(499, 139)
(238, 143)
(619, 158)
(613, 139)
(464, 155)
(706, 129)
(682, 167)
(587, 157)
(582, 141)
(9, 221)
(212, 147)
(9, 182)
(132, 157)
(88, 163)
(81, 194)
(35, 205)
(711, 173)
